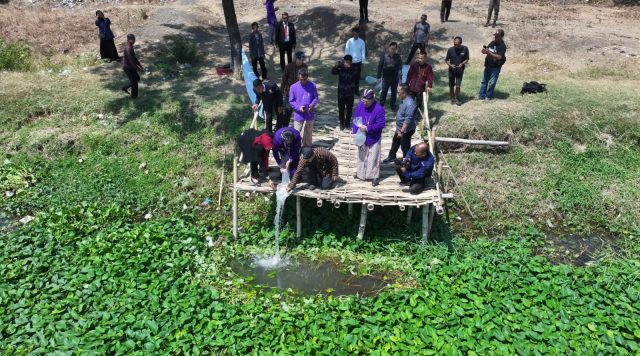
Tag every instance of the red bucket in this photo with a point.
(224, 70)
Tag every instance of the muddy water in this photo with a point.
(310, 278)
(578, 250)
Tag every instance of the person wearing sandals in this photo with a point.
(369, 117)
(107, 46)
(255, 146)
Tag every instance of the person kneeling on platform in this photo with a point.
(255, 146)
(322, 168)
(416, 168)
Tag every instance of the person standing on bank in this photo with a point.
(287, 143)
(390, 73)
(420, 37)
(256, 51)
(289, 77)
(303, 97)
(405, 125)
(372, 116)
(107, 46)
(355, 47)
(131, 66)
(457, 57)
(494, 6)
(420, 78)
(364, 10)
(285, 39)
(445, 9)
(346, 90)
(272, 20)
(416, 168)
(495, 53)
(271, 97)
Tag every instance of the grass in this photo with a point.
(116, 260)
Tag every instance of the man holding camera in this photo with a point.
(457, 58)
(416, 168)
(495, 58)
(346, 90)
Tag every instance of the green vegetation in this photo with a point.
(180, 49)
(117, 261)
(15, 56)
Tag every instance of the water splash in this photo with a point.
(281, 196)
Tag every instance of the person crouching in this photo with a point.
(416, 168)
(322, 168)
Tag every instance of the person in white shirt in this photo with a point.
(355, 47)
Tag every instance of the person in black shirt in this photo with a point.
(256, 51)
(346, 90)
(390, 73)
(495, 58)
(271, 97)
(457, 58)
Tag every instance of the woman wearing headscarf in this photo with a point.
(107, 46)
(369, 118)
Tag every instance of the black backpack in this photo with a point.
(533, 88)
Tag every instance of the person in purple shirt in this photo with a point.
(369, 118)
(287, 143)
(303, 97)
(272, 20)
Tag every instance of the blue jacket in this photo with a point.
(420, 168)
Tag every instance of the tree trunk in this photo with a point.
(234, 36)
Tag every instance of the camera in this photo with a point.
(341, 63)
(403, 163)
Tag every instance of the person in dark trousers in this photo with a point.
(416, 168)
(107, 46)
(322, 167)
(285, 39)
(272, 20)
(289, 77)
(420, 37)
(390, 73)
(495, 53)
(445, 10)
(131, 66)
(346, 90)
(457, 57)
(405, 125)
(271, 97)
(364, 10)
(494, 6)
(420, 78)
(256, 51)
(255, 146)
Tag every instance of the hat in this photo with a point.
(367, 94)
(300, 55)
(307, 152)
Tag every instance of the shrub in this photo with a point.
(181, 49)
(15, 56)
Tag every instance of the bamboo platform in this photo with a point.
(353, 191)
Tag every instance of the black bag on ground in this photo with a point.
(533, 88)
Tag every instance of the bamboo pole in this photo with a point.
(235, 197)
(224, 158)
(350, 205)
(431, 211)
(472, 142)
(425, 222)
(409, 215)
(298, 217)
(363, 221)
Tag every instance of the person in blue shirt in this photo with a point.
(416, 168)
(287, 143)
(107, 46)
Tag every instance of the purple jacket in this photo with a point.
(271, 13)
(282, 152)
(373, 118)
(303, 96)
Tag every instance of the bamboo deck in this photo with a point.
(387, 193)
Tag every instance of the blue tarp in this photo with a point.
(249, 76)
